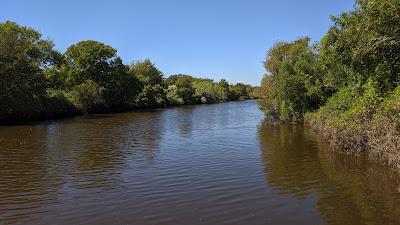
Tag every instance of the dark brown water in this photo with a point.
(210, 164)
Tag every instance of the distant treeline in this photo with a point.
(346, 85)
(39, 82)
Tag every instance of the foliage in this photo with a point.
(151, 97)
(151, 79)
(362, 46)
(91, 60)
(38, 82)
(292, 87)
(185, 89)
(254, 92)
(147, 72)
(171, 80)
(224, 85)
(347, 85)
(58, 105)
(209, 91)
(23, 54)
(94, 65)
(87, 96)
(239, 91)
(180, 90)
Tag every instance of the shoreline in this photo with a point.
(371, 142)
(110, 111)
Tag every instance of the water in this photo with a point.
(207, 164)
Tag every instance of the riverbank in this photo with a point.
(38, 82)
(380, 142)
(367, 125)
(70, 112)
(347, 85)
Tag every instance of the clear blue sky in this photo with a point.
(206, 38)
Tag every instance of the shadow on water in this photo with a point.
(347, 189)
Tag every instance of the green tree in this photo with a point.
(207, 91)
(147, 73)
(185, 89)
(92, 60)
(152, 94)
(97, 64)
(239, 91)
(171, 80)
(151, 97)
(87, 96)
(180, 89)
(224, 85)
(363, 44)
(292, 86)
(23, 55)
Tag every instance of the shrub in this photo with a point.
(87, 97)
(151, 97)
(57, 105)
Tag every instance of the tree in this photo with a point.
(87, 96)
(185, 90)
(224, 85)
(92, 61)
(180, 90)
(23, 55)
(364, 44)
(209, 91)
(147, 73)
(292, 86)
(151, 97)
(151, 79)
(171, 80)
(239, 91)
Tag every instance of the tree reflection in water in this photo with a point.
(75, 156)
(347, 189)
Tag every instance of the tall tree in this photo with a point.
(97, 65)
(147, 72)
(23, 55)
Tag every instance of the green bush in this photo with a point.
(38, 82)
(362, 120)
(292, 86)
(87, 97)
(151, 97)
(147, 73)
(23, 54)
(180, 90)
(208, 90)
(58, 105)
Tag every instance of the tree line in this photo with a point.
(38, 82)
(346, 84)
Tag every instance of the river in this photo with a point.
(206, 164)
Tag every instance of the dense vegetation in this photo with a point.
(38, 82)
(346, 85)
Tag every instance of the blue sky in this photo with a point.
(206, 38)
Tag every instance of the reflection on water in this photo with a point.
(208, 164)
(40, 163)
(347, 190)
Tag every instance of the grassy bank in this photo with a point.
(365, 123)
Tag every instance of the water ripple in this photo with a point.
(210, 164)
